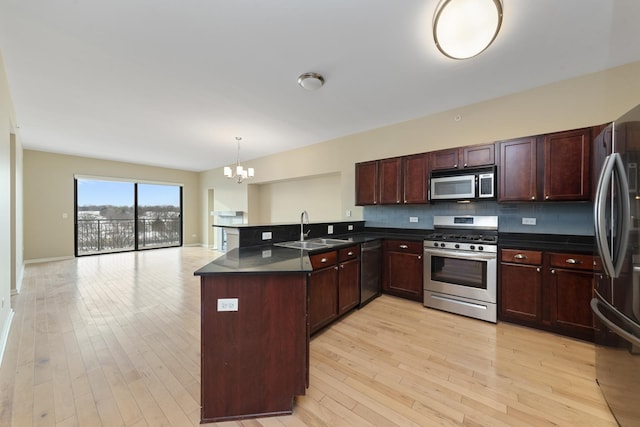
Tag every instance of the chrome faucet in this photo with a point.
(302, 233)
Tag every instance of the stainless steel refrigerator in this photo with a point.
(616, 302)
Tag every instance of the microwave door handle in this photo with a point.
(624, 205)
(599, 213)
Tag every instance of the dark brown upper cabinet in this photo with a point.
(415, 178)
(517, 174)
(463, 157)
(552, 167)
(567, 165)
(367, 189)
(390, 174)
(397, 180)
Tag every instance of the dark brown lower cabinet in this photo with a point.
(348, 278)
(548, 290)
(521, 286)
(572, 279)
(323, 298)
(402, 270)
(334, 285)
(254, 361)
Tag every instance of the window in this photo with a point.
(117, 216)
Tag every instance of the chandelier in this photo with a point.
(240, 173)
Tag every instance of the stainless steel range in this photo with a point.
(460, 266)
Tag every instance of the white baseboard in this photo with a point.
(19, 278)
(5, 334)
(35, 261)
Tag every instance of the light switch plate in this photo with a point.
(267, 235)
(330, 229)
(227, 304)
(413, 219)
(528, 221)
(350, 227)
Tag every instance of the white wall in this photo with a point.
(48, 196)
(17, 250)
(10, 234)
(282, 201)
(584, 101)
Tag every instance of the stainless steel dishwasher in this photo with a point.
(370, 271)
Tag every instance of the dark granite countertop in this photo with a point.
(258, 259)
(276, 259)
(547, 242)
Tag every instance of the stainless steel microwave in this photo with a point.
(461, 185)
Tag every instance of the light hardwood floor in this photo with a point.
(115, 340)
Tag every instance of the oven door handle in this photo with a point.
(484, 256)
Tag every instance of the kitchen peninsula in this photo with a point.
(254, 339)
(256, 317)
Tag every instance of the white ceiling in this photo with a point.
(172, 82)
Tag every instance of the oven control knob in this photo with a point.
(435, 244)
(472, 247)
(480, 248)
(442, 245)
(457, 246)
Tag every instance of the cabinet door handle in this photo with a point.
(403, 246)
(533, 197)
(350, 253)
(465, 165)
(455, 166)
(573, 261)
(419, 256)
(538, 269)
(323, 260)
(335, 268)
(553, 271)
(520, 256)
(546, 197)
(341, 265)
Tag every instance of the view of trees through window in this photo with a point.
(115, 216)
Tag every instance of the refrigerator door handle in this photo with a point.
(625, 208)
(634, 340)
(599, 212)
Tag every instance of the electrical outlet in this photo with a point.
(348, 213)
(350, 227)
(267, 235)
(65, 215)
(528, 221)
(227, 304)
(413, 219)
(330, 229)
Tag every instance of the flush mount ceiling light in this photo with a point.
(310, 81)
(464, 28)
(240, 173)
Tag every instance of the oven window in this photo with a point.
(462, 272)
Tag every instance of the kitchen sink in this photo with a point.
(304, 245)
(311, 244)
(329, 242)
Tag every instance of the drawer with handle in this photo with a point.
(575, 261)
(351, 252)
(404, 246)
(521, 257)
(324, 259)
